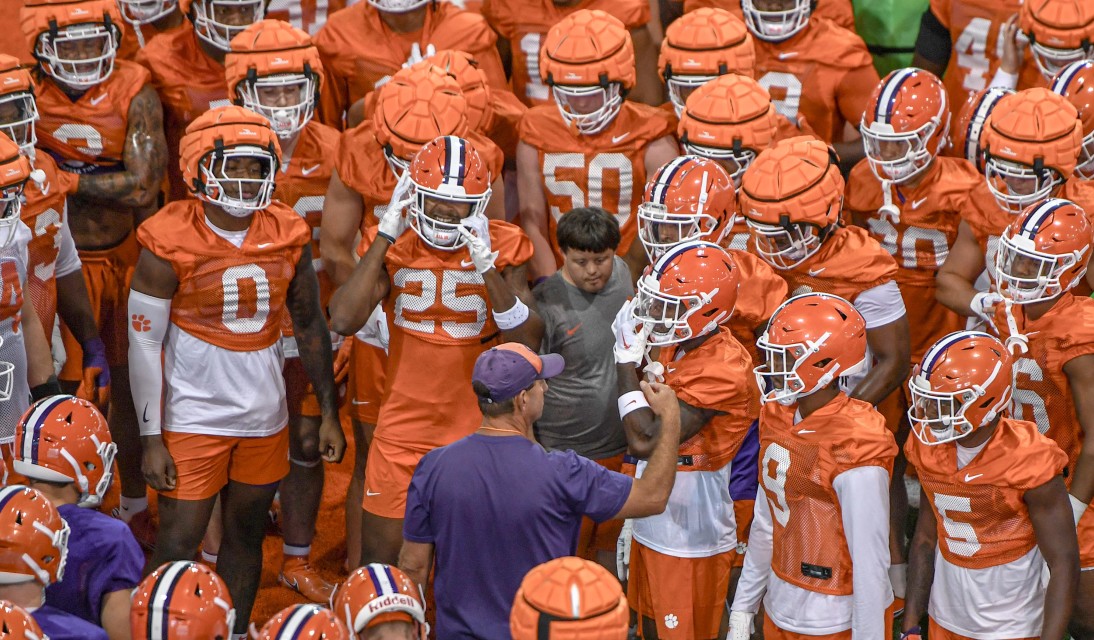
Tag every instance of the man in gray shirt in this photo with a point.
(578, 305)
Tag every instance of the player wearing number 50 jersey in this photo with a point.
(819, 545)
(215, 278)
(998, 506)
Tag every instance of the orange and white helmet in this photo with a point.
(304, 622)
(729, 120)
(1031, 143)
(218, 21)
(418, 104)
(689, 198)
(792, 197)
(1060, 32)
(700, 46)
(66, 439)
(274, 70)
(398, 6)
(905, 125)
(17, 88)
(473, 82)
(963, 383)
(74, 41)
(142, 12)
(970, 123)
(376, 594)
(810, 341)
(690, 291)
(220, 138)
(33, 538)
(15, 170)
(17, 624)
(1076, 83)
(569, 599)
(1044, 252)
(777, 26)
(587, 59)
(448, 174)
(182, 600)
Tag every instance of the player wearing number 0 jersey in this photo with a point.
(997, 503)
(838, 11)
(591, 148)
(1043, 254)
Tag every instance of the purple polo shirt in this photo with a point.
(59, 625)
(494, 508)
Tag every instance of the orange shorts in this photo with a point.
(107, 273)
(366, 381)
(686, 597)
(204, 464)
(387, 477)
(771, 632)
(936, 632)
(600, 536)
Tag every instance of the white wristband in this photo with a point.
(1078, 508)
(512, 317)
(632, 401)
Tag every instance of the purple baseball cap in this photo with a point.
(510, 368)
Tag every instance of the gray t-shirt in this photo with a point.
(579, 410)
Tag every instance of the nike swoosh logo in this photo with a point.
(467, 263)
(95, 101)
(263, 245)
(671, 370)
(309, 170)
(816, 272)
(787, 54)
(916, 203)
(144, 417)
(969, 478)
(371, 494)
(630, 403)
(805, 431)
(360, 402)
(620, 137)
(571, 332)
(44, 188)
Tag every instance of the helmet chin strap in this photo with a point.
(1017, 343)
(888, 209)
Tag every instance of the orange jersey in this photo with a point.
(981, 517)
(758, 296)
(232, 298)
(44, 213)
(441, 320)
(606, 170)
(15, 44)
(838, 11)
(823, 73)
(525, 24)
(848, 263)
(189, 83)
(131, 44)
(798, 464)
(88, 135)
(716, 375)
(306, 15)
(920, 241)
(359, 51)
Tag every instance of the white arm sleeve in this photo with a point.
(68, 261)
(1004, 79)
(145, 358)
(863, 494)
(880, 305)
(757, 569)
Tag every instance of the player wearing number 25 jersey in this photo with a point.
(819, 545)
(995, 494)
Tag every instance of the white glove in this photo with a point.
(417, 55)
(630, 341)
(476, 230)
(740, 625)
(983, 305)
(393, 220)
(623, 550)
(655, 371)
(1077, 508)
(375, 331)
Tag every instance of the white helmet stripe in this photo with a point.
(34, 423)
(1040, 214)
(939, 349)
(382, 578)
(297, 619)
(664, 178)
(455, 159)
(159, 603)
(883, 110)
(1066, 75)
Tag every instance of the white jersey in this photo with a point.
(14, 389)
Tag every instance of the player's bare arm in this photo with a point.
(416, 559)
(963, 266)
(643, 427)
(647, 88)
(74, 306)
(313, 340)
(368, 284)
(891, 349)
(343, 209)
(533, 211)
(650, 494)
(514, 283)
(114, 618)
(39, 358)
(933, 46)
(1050, 512)
(921, 550)
(1080, 377)
(144, 157)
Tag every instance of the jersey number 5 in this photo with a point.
(960, 536)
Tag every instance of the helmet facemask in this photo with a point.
(1084, 170)
(398, 6)
(218, 21)
(1016, 185)
(398, 165)
(574, 105)
(1026, 275)
(141, 12)
(735, 161)
(7, 369)
(897, 157)
(1051, 60)
(778, 377)
(239, 179)
(438, 214)
(785, 246)
(680, 87)
(776, 25)
(59, 541)
(660, 230)
(18, 113)
(79, 55)
(669, 315)
(93, 496)
(11, 207)
(938, 417)
(287, 100)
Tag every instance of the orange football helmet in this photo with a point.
(963, 383)
(690, 291)
(33, 537)
(1044, 252)
(274, 70)
(700, 46)
(59, 31)
(15, 170)
(1060, 32)
(792, 197)
(17, 88)
(217, 138)
(905, 125)
(182, 600)
(66, 439)
(17, 624)
(379, 593)
(810, 341)
(1076, 83)
(1031, 143)
(447, 174)
(689, 198)
(729, 120)
(777, 26)
(970, 123)
(569, 599)
(302, 621)
(218, 21)
(587, 59)
(473, 84)
(418, 104)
